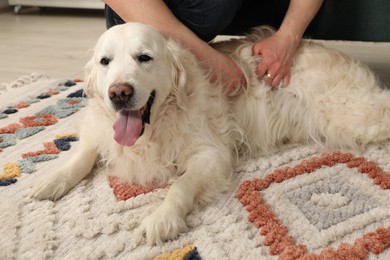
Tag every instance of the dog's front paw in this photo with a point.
(163, 224)
(52, 187)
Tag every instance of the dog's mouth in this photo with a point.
(130, 124)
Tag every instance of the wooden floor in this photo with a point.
(56, 42)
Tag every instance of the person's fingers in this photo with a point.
(264, 62)
(256, 48)
(286, 79)
(273, 74)
(273, 68)
(262, 68)
(235, 81)
(277, 79)
(268, 77)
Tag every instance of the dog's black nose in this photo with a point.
(120, 94)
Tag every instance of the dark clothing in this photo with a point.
(208, 18)
(356, 20)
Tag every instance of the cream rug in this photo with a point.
(296, 203)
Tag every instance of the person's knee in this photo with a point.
(206, 18)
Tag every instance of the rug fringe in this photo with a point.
(22, 81)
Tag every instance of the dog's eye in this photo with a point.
(105, 61)
(144, 58)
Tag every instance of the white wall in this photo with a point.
(3, 3)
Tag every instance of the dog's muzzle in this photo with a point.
(130, 124)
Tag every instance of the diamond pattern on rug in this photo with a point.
(284, 199)
(308, 198)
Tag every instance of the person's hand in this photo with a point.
(227, 71)
(277, 52)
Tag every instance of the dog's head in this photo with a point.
(133, 70)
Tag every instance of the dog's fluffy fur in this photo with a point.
(196, 133)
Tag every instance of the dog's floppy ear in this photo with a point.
(178, 59)
(178, 73)
(90, 77)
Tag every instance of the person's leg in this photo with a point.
(206, 18)
(257, 12)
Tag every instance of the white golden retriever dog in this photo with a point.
(154, 116)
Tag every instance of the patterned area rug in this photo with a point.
(295, 203)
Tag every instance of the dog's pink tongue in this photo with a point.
(127, 127)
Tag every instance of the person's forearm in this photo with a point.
(158, 15)
(298, 17)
